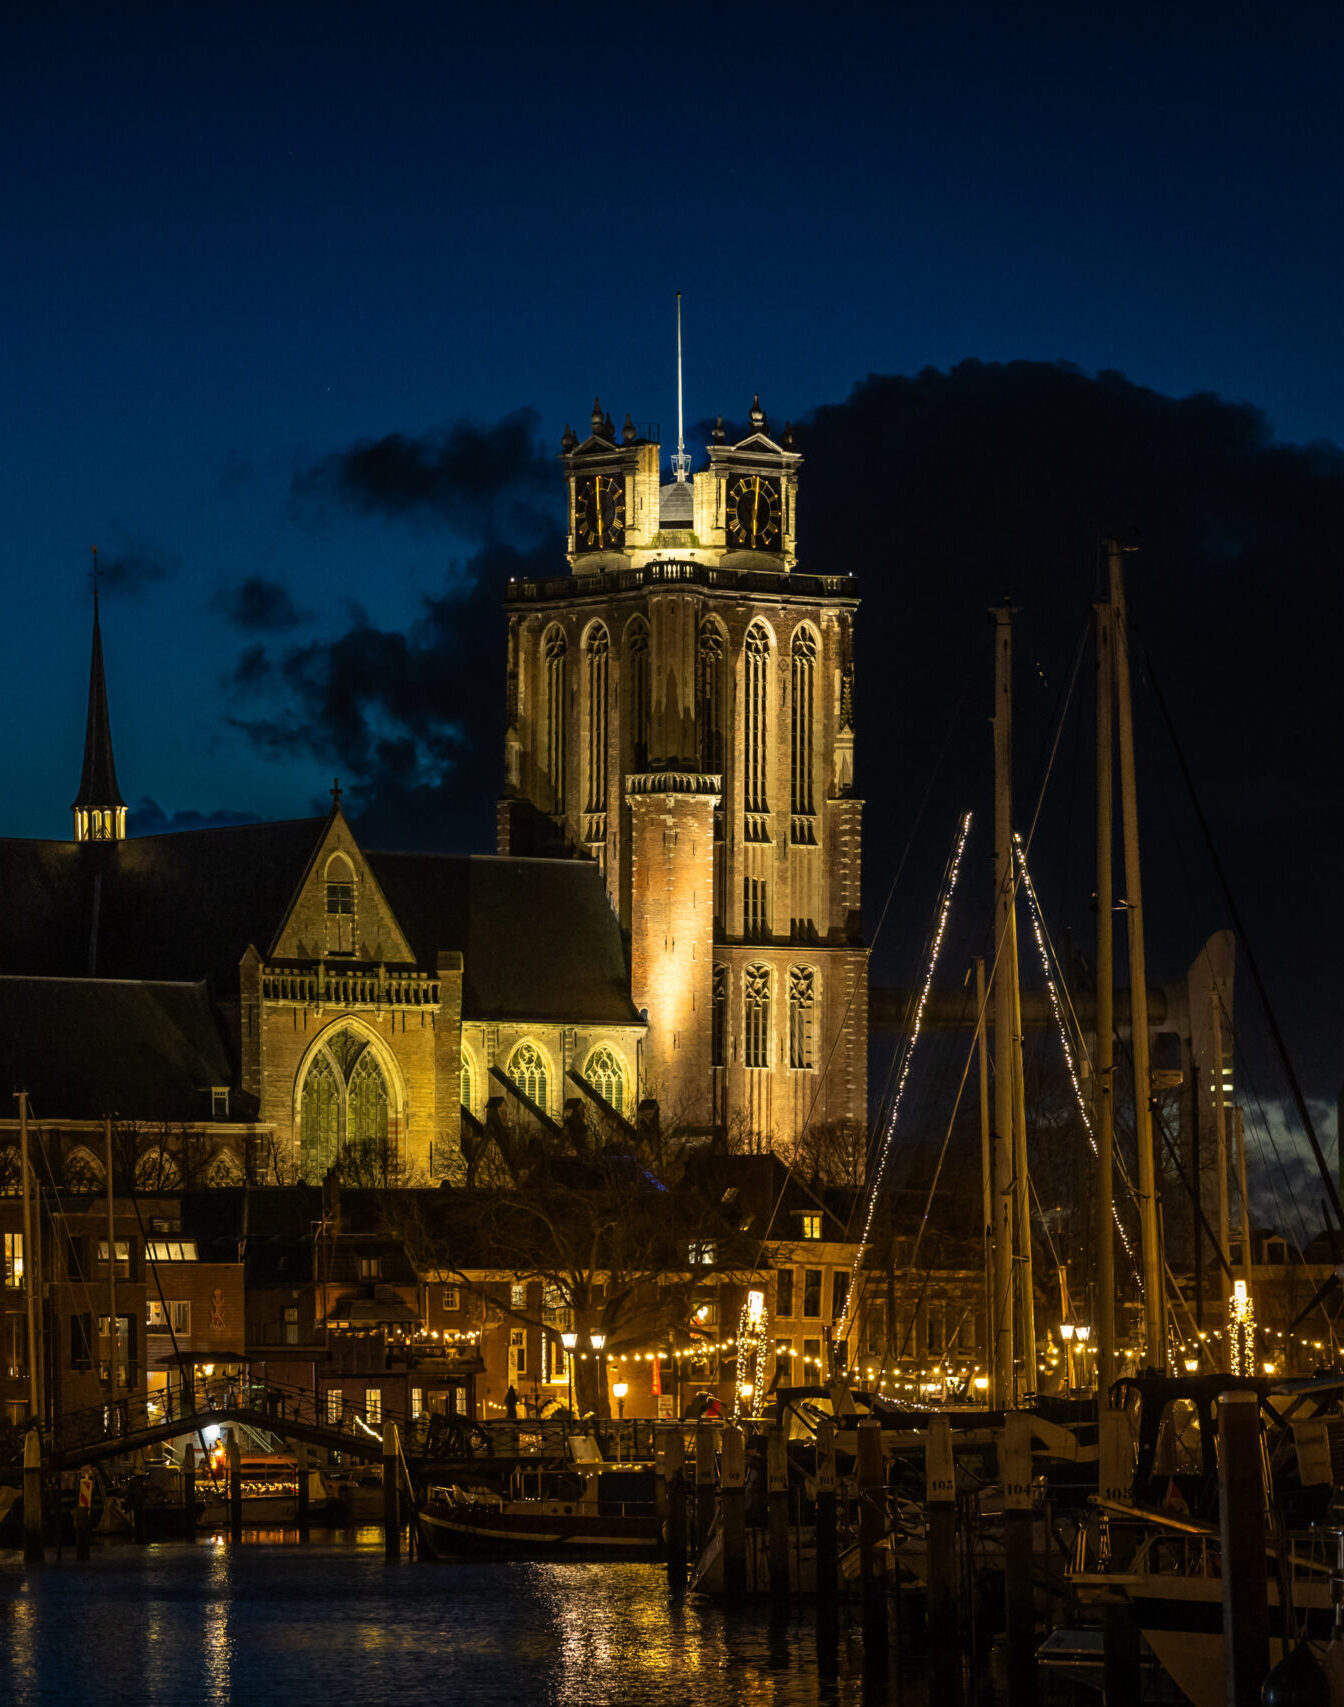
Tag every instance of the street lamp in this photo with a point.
(1066, 1334)
(620, 1389)
(569, 1341)
(1084, 1334)
(597, 1341)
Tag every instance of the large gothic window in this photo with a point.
(756, 1029)
(606, 1075)
(345, 1100)
(598, 652)
(641, 697)
(527, 1069)
(468, 1081)
(553, 653)
(756, 671)
(802, 1003)
(804, 700)
(718, 1021)
(711, 711)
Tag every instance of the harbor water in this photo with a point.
(205, 1625)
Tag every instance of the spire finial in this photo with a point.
(95, 575)
(681, 462)
(336, 790)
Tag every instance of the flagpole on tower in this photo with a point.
(681, 463)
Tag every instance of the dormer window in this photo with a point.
(219, 1102)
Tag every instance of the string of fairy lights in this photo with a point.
(940, 930)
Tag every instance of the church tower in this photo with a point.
(680, 709)
(100, 812)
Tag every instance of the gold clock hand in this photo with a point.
(755, 507)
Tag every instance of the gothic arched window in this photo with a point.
(718, 1018)
(366, 1102)
(340, 905)
(553, 651)
(527, 1069)
(756, 1029)
(711, 712)
(320, 1117)
(802, 1002)
(756, 671)
(606, 1075)
(345, 1100)
(641, 697)
(597, 650)
(804, 701)
(468, 1081)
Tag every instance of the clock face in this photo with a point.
(754, 511)
(599, 512)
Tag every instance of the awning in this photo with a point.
(372, 1313)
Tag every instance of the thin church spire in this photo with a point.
(100, 812)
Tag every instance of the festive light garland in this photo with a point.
(1241, 1330)
(945, 908)
(748, 1384)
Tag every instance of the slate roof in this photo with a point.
(85, 1048)
(538, 936)
(181, 906)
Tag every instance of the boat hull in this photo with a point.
(519, 1530)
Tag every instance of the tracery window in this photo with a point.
(607, 1077)
(468, 1081)
(641, 697)
(554, 650)
(718, 1023)
(527, 1069)
(756, 1029)
(598, 653)
(804, 699)
(344, 1100)
(756, 670)
(802, 1002)
(711, 711)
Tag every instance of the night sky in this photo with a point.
(297, 300)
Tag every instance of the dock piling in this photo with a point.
(234, 1454)
(32, 1498)
(733, 1515)
(940, 1487)
(189, 1493)
(827, 1618)
(777, 1512)
(1241, 1529)
(391, 1506)
(704, 1485)
(301, 1477)
(1019, 1605)
(1122, 1675)
(669, 1458)
(84, 1514)
(871, 1476)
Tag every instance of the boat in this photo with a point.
(271, 1494)
(587, 1510)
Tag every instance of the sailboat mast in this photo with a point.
(1024, 1270)
(1220, 1134)
(1003, 1387)
(30, 1282)
(1154, 1311)
(1103, 1061)
(986, 1151)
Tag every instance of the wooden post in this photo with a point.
(1122, 1677)
(1241, 1528)
(84, 1513)
(234, 1454)
(669, 1455)
(871, 1478)
(301, 1473)
(826, 1547)
(32, 1498)
(777, 1495)
(189, 1493)
(940, 1487)
(704, 1485)
(391, 1510)
(733, 1514)
(1018, 1603)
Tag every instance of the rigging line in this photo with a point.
(937, 1172)
(953, 722)
(1252, 962)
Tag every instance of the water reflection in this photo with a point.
(167, 1625)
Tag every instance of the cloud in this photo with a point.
(258, 605)
(492, 480)
(148, 818)
(133, 569)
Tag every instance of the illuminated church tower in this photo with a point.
(680, 709)
(100, 812)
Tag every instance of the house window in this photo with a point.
(802, 991)
(219, 1102)
(13, 1258)
(811, 1292)
(161, 1250)
(811, 1360)
(517, 1353)
(452, 1299)
(291, 1324)
(370, 1268)
(935, 1329)
(417, 1403)
(718, 1021)
(527, 1069)
(839, 1294)
(16, 1345)
(169, 1313)
(123, 1261)
(811, 1225)
(784, 1292)
(598, 654)
(335, 1405)
(607, 1077)
(756, 1032)
(702, 1252)
(373, 1406)
(518, 1295)
(341, 917)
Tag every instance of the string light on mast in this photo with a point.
(944, 909)
(751, 1338)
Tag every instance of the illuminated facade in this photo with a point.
(681, 711)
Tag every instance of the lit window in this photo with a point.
(170, 1313)
(335, 1404)
(452, 1299)
(702, 1252)
(13, 1254)
(527, 1069)
(159, 1250)
(417, 1402)
(607, 1077)
(517, 1353)
(811, 1226)
(518, 1295)
(370, 1268)
(373, 1406)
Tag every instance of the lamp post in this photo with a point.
(620, 1389)
(569, 1341)
(1066, 1334)
(1083, 1333)
(597, 1341)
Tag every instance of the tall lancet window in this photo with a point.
(804, 702)
(711, 713)
(756, 672)
(756, 1017)
(641, 696)
(598, 651)
(553, 650)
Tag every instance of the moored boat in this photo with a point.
(589, 1510)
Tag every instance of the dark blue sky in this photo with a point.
(240, 240)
